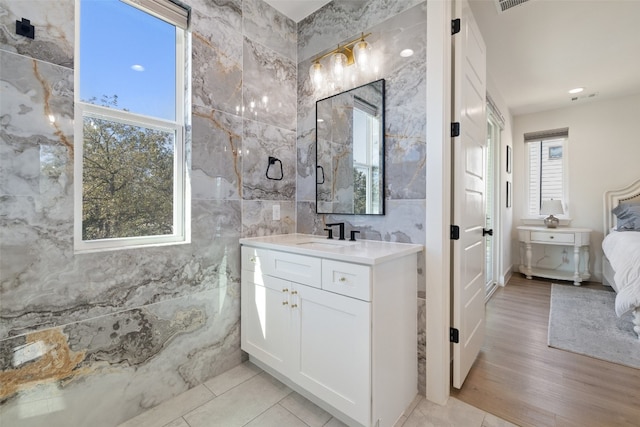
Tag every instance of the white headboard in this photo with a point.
(614, 197)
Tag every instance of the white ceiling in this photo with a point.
(297, 9)
(540, 49)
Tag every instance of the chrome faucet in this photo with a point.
(341, 225)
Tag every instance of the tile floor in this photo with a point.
(247, 396)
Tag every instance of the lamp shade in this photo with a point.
(551, 207)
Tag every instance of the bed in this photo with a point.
(621, 246)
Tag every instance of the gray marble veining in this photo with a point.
(269, 86)
(54, 29)
(36, 127)
(306, 167)
(217, 59)
(212, 13)
(63, 288)
(118, 358)
(217, 155)
(261, 141)
(265, 24)
(257, 218)
(341, 19)
(108, 335)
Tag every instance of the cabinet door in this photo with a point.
(332, 357)
(266, 319)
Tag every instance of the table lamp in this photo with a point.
(551, 207)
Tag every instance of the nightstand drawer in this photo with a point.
(550, 237)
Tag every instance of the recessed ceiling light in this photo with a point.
(406, 53)
(576, 90)
(137, 67)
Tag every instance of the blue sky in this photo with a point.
(128, 53)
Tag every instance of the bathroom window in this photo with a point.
(130, 186)
(546, 153)
(366, 161)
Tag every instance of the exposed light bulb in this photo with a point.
(338, 64)
(316, 75)
(362, 53)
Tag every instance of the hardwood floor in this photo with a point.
(519, 378)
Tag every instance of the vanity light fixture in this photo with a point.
(357, 51)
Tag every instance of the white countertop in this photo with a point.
(554, 230)
(369, 252)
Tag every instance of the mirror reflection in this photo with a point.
(350, 152)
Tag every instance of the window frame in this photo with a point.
(181, 193)
(565, 179)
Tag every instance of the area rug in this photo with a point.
(584, 321)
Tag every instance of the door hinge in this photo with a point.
(454, 233)
(455, 26)
(455, 129)
(454, 335)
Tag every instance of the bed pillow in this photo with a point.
(628, 215)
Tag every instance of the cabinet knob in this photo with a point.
(342, 279)
(252, 259)
(294, 292)
(285, 302)
(294, 305)
(551, 237)
(285, 290)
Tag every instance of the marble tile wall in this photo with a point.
(96, 338)
(394, 26)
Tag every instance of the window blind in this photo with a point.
(172, 11)
(546, 134)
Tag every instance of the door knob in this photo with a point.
(485, 232)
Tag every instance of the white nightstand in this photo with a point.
(562, 236)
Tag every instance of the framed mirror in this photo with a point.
(350, 152)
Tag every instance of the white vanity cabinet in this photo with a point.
(341, 333)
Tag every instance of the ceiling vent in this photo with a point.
(504, 5)
(587, 96)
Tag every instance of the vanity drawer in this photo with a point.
(293, 267)
(550, 237)
(252, 258)
(352, 280)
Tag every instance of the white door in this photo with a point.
(468, 261)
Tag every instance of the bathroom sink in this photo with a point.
(324, 244)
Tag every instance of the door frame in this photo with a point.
(438, 209)
(498, 178)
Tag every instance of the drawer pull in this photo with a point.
(285, 302)
(342, 279)
(551, 237)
